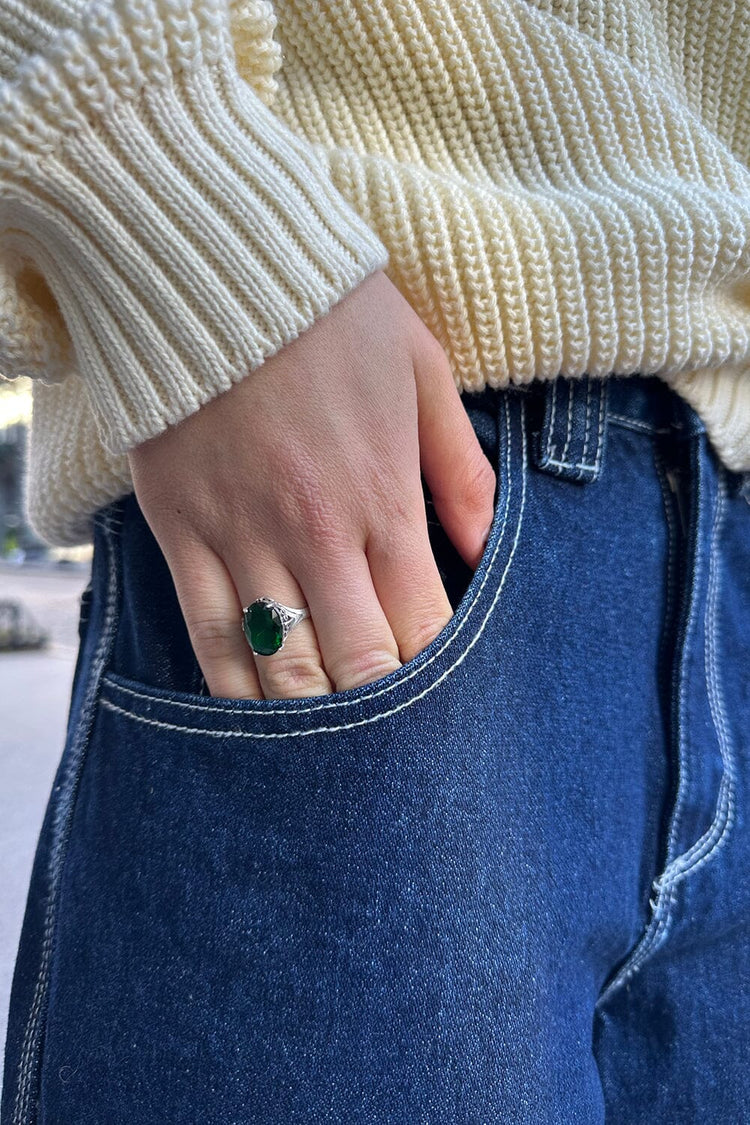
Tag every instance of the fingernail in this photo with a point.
(486, 534)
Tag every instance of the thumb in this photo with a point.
(460, 477)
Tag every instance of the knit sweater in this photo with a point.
(556, 186)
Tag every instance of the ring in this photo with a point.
(267, 623)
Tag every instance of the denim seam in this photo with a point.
(716, 834)
(687, 658)
(551, 449)
(600, 432)
(31, 1049)
(551, 429)
(588, 422)
(699, 853)
(106, 702)
(673, 540)
(111, 518)
(569, 425)
(636, 424)
(656, 928)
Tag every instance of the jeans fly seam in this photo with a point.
(690, 861)
(63, 815)
(716, 834)
(107, 703)
(682, 674)
(711, 840)
(657, 932)
(672, 541)
(656, 928)
(652, 938)
(184, 705)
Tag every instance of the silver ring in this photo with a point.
(267, 623)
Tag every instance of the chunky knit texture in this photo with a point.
(556, 186)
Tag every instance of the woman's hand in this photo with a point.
(302, 482)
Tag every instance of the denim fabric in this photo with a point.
(504, 883)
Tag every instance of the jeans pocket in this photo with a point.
(153, 661)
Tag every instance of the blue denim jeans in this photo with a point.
(506, 882)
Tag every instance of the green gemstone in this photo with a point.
(262, 627)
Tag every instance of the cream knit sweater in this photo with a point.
(556, 186)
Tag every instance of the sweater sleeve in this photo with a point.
(162, 231)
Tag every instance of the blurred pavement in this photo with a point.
(34, 697)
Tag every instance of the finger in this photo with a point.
(356, 640)
(461, 480)
(409, 587)
(213, 614)
(296, 669)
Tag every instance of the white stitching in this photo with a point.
(636, 424)
(706, 846)
(551, 430)
(665, 893)
(183, 705)
(106, 702)
(570, 465)
(600, 431)
(656, 928)
(63, 812)
(110, 518)
(581, 466)
(584, 463)
(712, 839)
(686, 658)
(569, 427)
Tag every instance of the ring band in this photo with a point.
(267, 623)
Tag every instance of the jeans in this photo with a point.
(506, 882)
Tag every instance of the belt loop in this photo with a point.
(571, 441)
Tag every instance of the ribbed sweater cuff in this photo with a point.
(163, 232)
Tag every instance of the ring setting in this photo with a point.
(267, 623)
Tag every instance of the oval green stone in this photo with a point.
(262, 628)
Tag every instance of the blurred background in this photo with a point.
(40, 588)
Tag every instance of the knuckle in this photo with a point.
(477, 485)
(214, 636)
(315, 513)
(394, 509)
(425, 632)
(365, 667)
(296, 675)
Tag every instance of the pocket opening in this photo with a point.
(472, 589)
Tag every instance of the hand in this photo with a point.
(302, 482)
